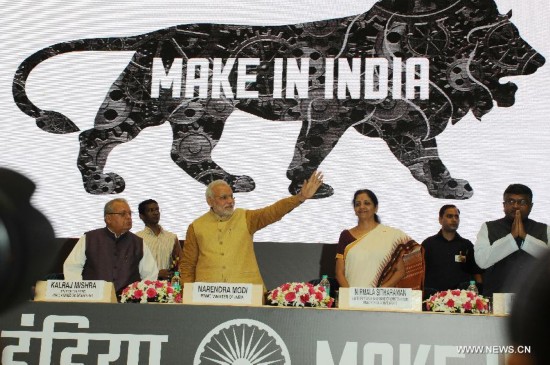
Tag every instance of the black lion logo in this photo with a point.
(469, 45)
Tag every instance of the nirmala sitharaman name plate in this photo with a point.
(390, 299)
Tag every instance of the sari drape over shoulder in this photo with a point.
(373, 258)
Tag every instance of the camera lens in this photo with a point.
(27, 242)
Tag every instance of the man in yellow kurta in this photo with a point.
(219, 247)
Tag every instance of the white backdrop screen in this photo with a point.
(471, 137)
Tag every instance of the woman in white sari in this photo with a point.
(375, 255)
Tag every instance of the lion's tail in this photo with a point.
(48, 120)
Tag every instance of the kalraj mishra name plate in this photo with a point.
(98, 291)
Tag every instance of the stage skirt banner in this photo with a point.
(66, 333)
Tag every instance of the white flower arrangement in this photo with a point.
(159, 291)
(457, 301)
(298, 294)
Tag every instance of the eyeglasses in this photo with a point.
(520, 202)
(225, 197)
(123, 214)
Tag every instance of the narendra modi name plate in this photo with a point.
(96, 291)
(223, 294)
(400, 299)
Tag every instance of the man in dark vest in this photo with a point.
(112, 253)
(507, 247)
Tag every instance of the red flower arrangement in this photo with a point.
(159, 291)
(457, 301)
(299, 294)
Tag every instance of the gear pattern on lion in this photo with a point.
(469, 44)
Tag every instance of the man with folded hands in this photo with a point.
(508, 246)
(219, 247)
(112, 253)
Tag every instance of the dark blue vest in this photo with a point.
(503, 275)
(112, 259)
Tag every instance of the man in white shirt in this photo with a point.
(112, 253)
(164, 245)
(508, 246)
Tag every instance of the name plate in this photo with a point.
(75, 291)
(400, 299)
(223, 294)
(502, 303)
